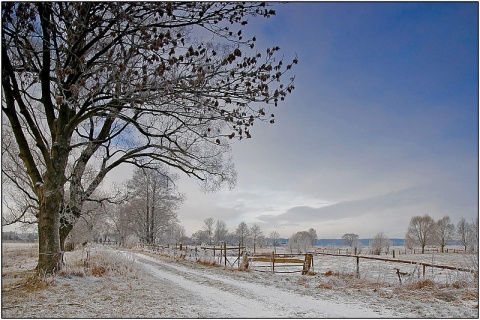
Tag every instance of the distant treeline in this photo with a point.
(364, 242)
(15, 236)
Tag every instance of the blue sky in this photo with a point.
(382, 125)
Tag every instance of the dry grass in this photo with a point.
(421, 284)
(26, 281)
(207, 263)
(421, 289)
(99, 263)
(14, 255)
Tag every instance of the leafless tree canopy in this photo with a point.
(256, 233)
(380, 242)
(445, 231)
(208, 228)
(104, 83)
(349, 239)
(301, 241)
(153, 202)
(242, 233)
(421, 231)
(221, 231)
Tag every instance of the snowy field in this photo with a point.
(386, 272)
(141, 283)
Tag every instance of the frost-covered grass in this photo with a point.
(103, 282)
(99, 261)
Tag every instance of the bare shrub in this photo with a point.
(112, 264)
(99, 263)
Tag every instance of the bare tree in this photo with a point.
(421, 231)
(121, 220)
(95, 221)
(472, 238)
(313, 236)
(200, 237)
(274, 235)
(107, 83)
(221, 231)
(208, 228)
(154, 199)
(173, 233)
(302, 240)
(463, 229)
(380, 242)
(256, 233)
(445, 231)
(242, 233)
(350, 239)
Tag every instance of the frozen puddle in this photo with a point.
(225, 297)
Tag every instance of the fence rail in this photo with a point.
(282, 260)
(423, 264)
(392, 251)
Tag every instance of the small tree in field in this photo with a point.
(208, 228)
(421, 231)
(242, 233)
(350, 239)
(274, 235)
(221, 231)
(256, 233)
(445, 231)
(89, 86)
(463, 230)
(380, 242)
(302, 240)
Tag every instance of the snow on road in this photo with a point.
(233, 298)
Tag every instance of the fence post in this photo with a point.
(393, 254)
(273, 261)
(225, 250)
(358, 267)
(238, 254)
(423, 271)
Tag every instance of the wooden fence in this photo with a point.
(282, 260)
(221, 251)
(392, 251)
(423, 264)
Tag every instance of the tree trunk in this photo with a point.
(50, 255)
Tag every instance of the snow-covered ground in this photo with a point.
(157, 286)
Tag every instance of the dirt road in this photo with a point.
(231, 298)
